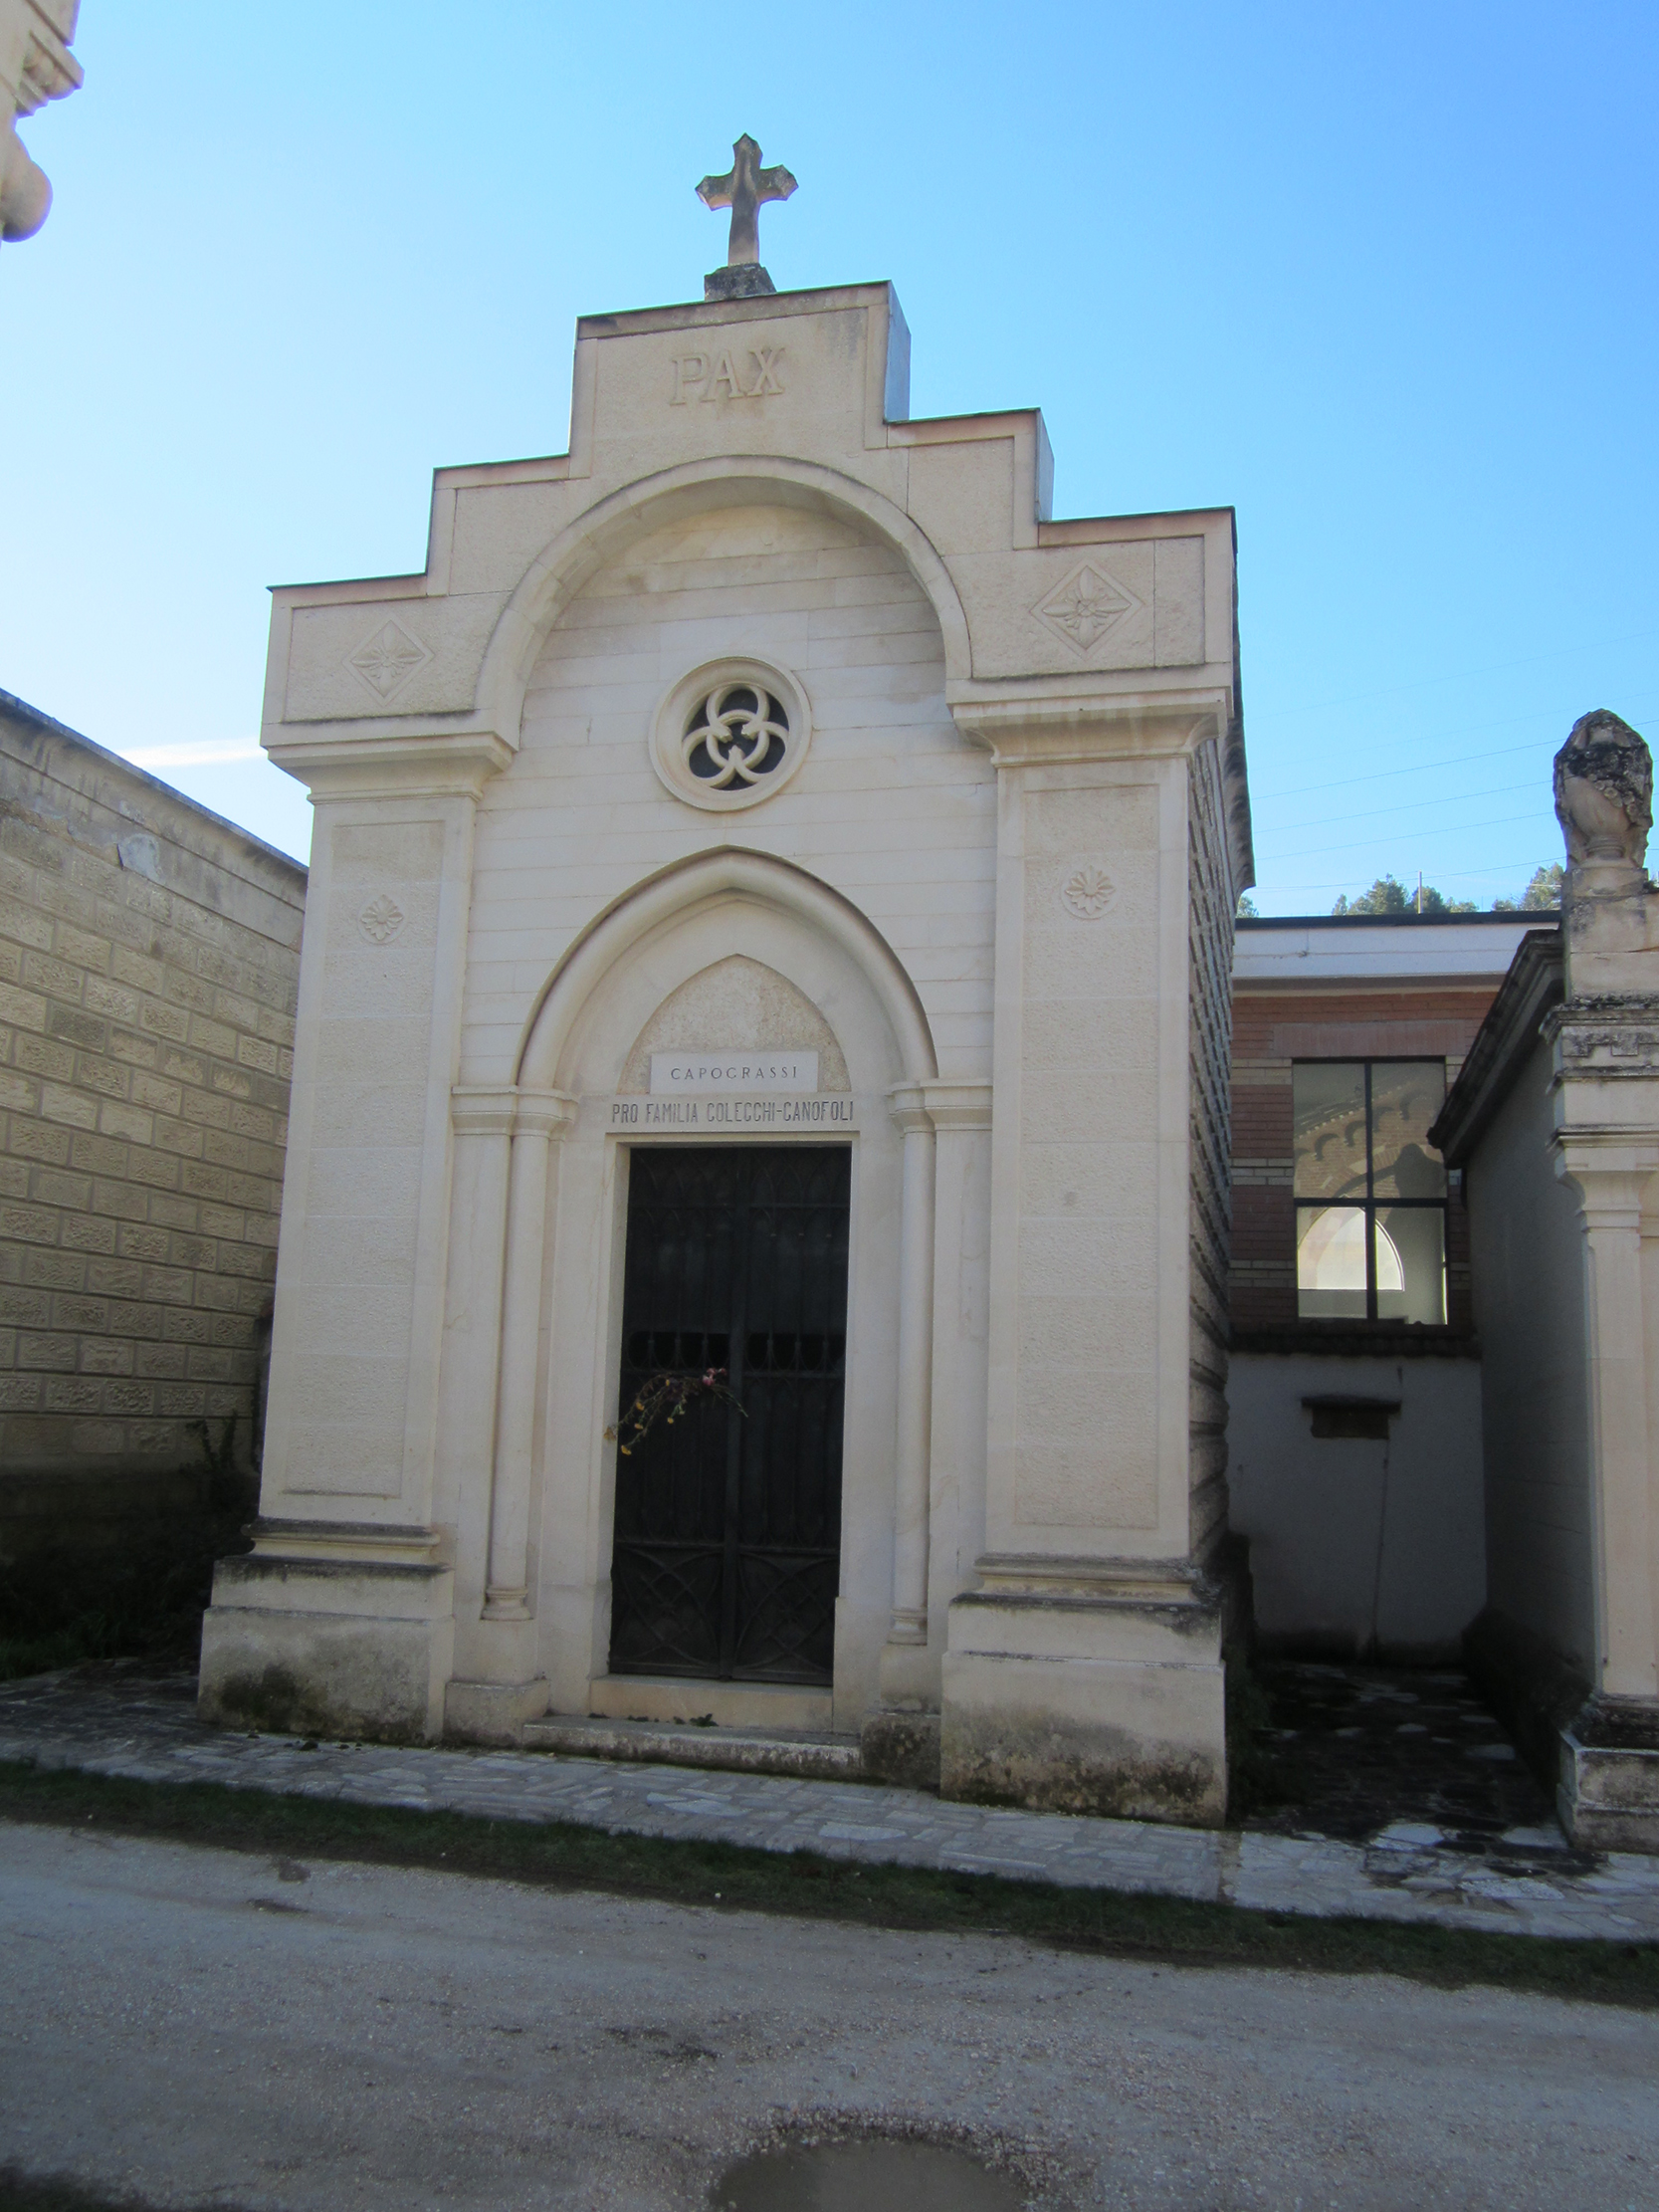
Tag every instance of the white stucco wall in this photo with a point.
(1527, 1246)
(1355, 1545)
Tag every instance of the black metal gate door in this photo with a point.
(727, 1521)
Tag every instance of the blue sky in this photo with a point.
(1381, 279)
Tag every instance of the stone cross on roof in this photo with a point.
(745, 188)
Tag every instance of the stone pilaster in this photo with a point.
(1605, 1048)
(1085, 1671)
(1607, 1145)
(341, 1617)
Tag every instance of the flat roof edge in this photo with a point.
(1528, 918)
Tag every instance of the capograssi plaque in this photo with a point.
(694, 1074)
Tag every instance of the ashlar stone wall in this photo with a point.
(1209, 1041)
(149, 967)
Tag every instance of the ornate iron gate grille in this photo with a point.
(729, 1524)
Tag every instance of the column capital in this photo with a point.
(485, 1109)
(1612, 1170)
(908, 1105)
(547, 1113)
(957, 1105)
(481, 1109)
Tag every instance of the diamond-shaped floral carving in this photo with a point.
(388, 659)
(381, 919)
(1087, 608)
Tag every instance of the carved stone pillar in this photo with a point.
(916, 1367)
(940, 1437)
(540, 1117)
(504, 1683)
(1623, 1507)
(1605, 1048)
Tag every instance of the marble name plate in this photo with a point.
(729, 1115)
(694, 1074)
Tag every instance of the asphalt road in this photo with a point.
(196, 2024)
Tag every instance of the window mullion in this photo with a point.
(1371, 1207)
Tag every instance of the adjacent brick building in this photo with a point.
(1354, 1383)
(149, 964)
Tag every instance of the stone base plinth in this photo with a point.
(901, 1749)
(743, 280)
(678, 1698)
(492, 1713)
(1075, 1698)
(1608, 1798)
(331, 1632)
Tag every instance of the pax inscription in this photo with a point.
(736, 372)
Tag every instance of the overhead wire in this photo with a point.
(1406, 807)
(1418, 767)
(1494, 668)
(1452, 829)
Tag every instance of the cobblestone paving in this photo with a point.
(1527, 1882)
(1343, 1751)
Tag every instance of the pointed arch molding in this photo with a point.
(561, 567)
(675, 892)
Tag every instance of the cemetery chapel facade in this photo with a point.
(766, 962)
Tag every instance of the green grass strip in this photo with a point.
(561, 1856)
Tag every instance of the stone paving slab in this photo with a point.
(147, 1730)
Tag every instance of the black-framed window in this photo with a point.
(1371, 1191)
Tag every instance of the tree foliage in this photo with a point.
(1387, 894)
(1542, 894)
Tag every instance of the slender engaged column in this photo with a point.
(1621, 1461)
(916, 1367)
(538, 1119)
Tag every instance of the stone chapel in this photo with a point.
(766, 962)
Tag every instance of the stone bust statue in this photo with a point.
(1604, 790)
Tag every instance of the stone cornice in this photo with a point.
(1532, 986)
(691, 315)
(440, 762)
(1042, 729)
(1610, 1038)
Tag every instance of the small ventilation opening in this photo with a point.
(1363, 1418)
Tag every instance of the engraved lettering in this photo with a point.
(689, 368)
(692, 378)
(684, 1072)
(835, 1112)
(725, 371)
(765, 360)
